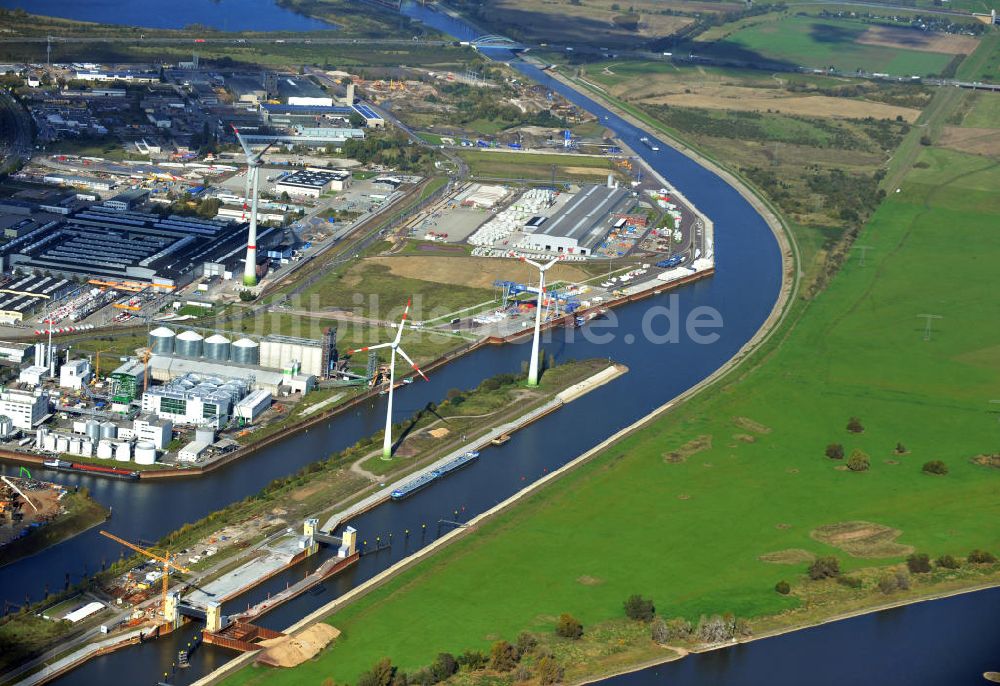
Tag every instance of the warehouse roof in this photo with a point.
(584, 216)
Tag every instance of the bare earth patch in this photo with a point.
(472, 272)
(974, 141)
(790, 556)
(684, 496)
(589, 580)
(289, 651)
(988, 460)
(439, 432)
(692, 447)
(301, 494)
(751, 425)
(892, 461)
(746, 438)
(924, 41)
(862, 539)
(782, 526)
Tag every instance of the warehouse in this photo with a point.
(313, 183)
(127, 200)
(302, 91)
(251, 407)
(196, 399)
(373, 120)
(167, 369)
(111, 244)
(582, 224)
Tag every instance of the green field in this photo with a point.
(689, 534)
(984, 111)
(820, 43)
(515, 165)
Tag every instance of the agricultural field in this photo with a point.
(845, 45)
(512, 165)
(682, 498)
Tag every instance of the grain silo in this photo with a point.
(93, 430)
(161, 341)
(188, 344)
(109, 430)
(217, 348)
(246, 352)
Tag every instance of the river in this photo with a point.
(743, 291)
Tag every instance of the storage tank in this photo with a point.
(93, 430)
(74, 446)
(245, 351)
(205, 435)
(86, 447)
(109, 430)
(217, 347)
(62, 444)
(161, 341)
(188, 344)
(105, 449)
(145, 452)
(6, 426)
(50, 442)
(123, 452)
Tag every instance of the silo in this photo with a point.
(87, 447)
(246, 352)
(145, 452)
(6, 426)
(93, 430)
(109, 430)
(105, 449)
(123, 452)
(161, 341)
(50, 442)
(217, 347)
(74, 446)
(188, 344)
(62, 444)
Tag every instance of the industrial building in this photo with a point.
(156, 431)
(195, 399)
(25, 409)
(312, 182)
(300, 90)
(127, 200)
(113, 244)
(74, 373)
(15, 353)
(251, 407)
(582, 224)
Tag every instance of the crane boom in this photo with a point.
(164, 560)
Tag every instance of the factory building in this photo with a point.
(74, 373)
(24, 408)
(251, 407)
(312, 183)
(127, 200)
(195, 399)
(88, 182)
(300, 90)
(582, 224)
(155, 431)
(373, 120)
(112, 244)
(15, 353)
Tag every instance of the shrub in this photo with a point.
(472, 660)
(982, 557)
(503, 656)
(444, 666)
(379, 675)
(835, 451)
(850, 581)
(824, 568)
(743, 628)
(247, 296)
(900, 449)
(679, 628)
(935, 467)
(713, 629)
(569, 627)
(659, 631)
(854, 425)
(526, 642)
(887, 583)
(902, 579)
(918, 563)
(522, 673)
(639, 608)
(549, 671)
(859, 461)
(783, 588)
(948, 562)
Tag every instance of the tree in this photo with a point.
(379, 675)
(639, 608)
(918, 563)
(900, 449)
(935, 467)
(712, 629)
(659, 631)
(902, 579)
(444, 666)
(981, 557)
(783, 588)
(526, 642)
(549, 671)
(472, 660)
(824, 568)
(679, 628)
(948, 562)
(887, 583)
(503, 656)
(854, 425)
(569, 627)
(859, 461)
(835, 451)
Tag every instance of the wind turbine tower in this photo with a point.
(394, 345)
(253, 178)
(542, 268)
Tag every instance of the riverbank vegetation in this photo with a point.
(81, 513)
(684, 494)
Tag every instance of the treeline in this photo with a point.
(849, 197)
(484, 103)
(913, 96)
(393, 150)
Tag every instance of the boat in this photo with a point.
(113, 472)
(652, 146)
(57, 464)
(423, 480)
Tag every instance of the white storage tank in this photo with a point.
(145, 452)
(93, 430)
(6, 426)
(105, 450)
(87, 447)
(217, 347)
(188, 344)
(204, 435)
(109, 430)
(245, 351)
(62, 444)
(50, 442)
(161, 341)
(74, 446)
(123, 452)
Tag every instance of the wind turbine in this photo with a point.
(542, 268)
(394, 345)
(253, 176)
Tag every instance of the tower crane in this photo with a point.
(163, 559)
(145, 355)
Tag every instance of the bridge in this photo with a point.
(496, 41)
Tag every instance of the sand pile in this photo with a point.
(289, 651)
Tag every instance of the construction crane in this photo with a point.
(164, 559)
(145, 354)
(97, 370)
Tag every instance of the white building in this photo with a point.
(23, 407)
(157, 432)
(195, 400)
(33, 375)
(252, 406)
(74, 374)
(192, 451)
(312, 182)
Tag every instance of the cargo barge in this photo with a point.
(650, 144)
(423, 480)
(112, 472)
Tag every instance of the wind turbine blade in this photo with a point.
(412, 364)
(546, 267)
(243, 144)
(406, 313)
(369, 347)
(258, 156)
(534, 264)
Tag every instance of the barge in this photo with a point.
(411, 487)
(112, 472)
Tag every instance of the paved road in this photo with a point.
(15, 131)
